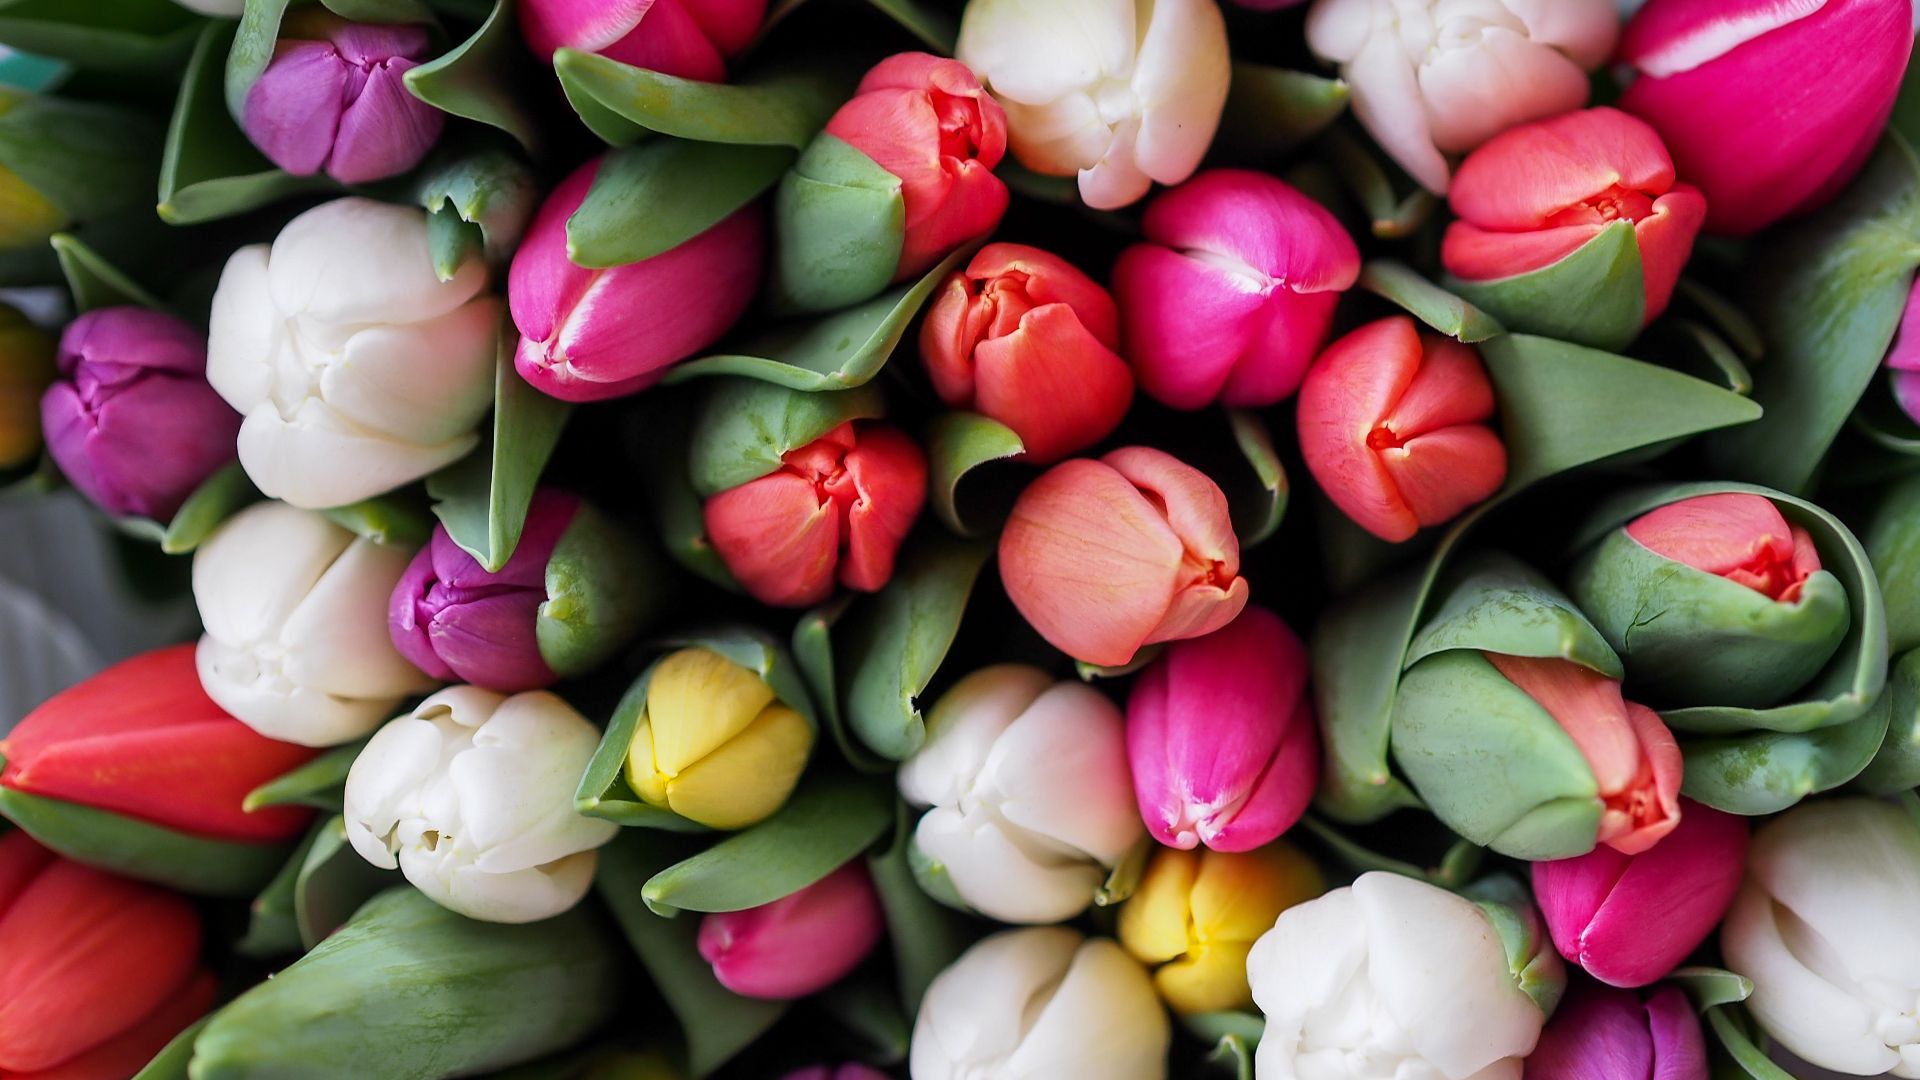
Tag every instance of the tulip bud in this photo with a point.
(1233, 293)
(332, 99)
(1197, 914)
(837, 509)
(357, 369)
(714, 744)
(131, 421)
(592, 334)
(471, 796)
(1903, 356)
(1122, 94)
(294, 608)
(1104, 557)
(1394, 425)
(1023, 337)
(1733, 95)
(572, 594)
(1714, 600)
(26, 370)
(1823, 925)
(1027, 780)
(97, 972)
(1221, 737)
(1036, 1003)
(1609, 1033)
(1542, 211)
(799, 944)
(1631, 919)
(689, 39)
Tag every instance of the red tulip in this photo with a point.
(1599, 1034)
(692, 39)
(799, 944)
(1737, 536)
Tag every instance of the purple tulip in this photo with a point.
(1601, 1032)
(131, 420)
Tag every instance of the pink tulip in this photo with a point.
(1221, 736)
(1631, 919)
(691, 39)
(1234, 291)
(1903, 358)
(798, 944)
(1737, 536)
(1770, 106)
(589, 335)
(1023, 337)
(1104, 557)
(1601, 1034)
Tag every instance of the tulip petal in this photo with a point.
(1279, 352)
(1476, 254)
(21, 860)
(1472, 94)
(1348, 391)
(1522, 177)
(129, 1051)
(1672, 38)
(976, 1012)
(1180, 79)
(1596, 1033)
(887, 474)
(1666, 242)
(1102, 1017)
(1450, 388)
(1281, 795)
(333, 638)
(319, 267)
(293, 109)
(1720, 534)
(747, 777)
(1388, 100)
(1187, 321)
(384, 131)
(1053, 383)
(491, 642)
(779, 538)
(1664, 903)
(286, 549)
(1005, 872)
(1679, 1047)
(588, 25)
(1070, 730)
(668, 39)
(419, 382)
(1441, 474)
(318, 459)
(962, 728)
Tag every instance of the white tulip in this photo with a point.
(472, 797)
(1389, 977)
(1031, 793)
(1043, 1003)
(1432, 78)
(1120, 92)
(1824, 926)
(295, 610)
(357, 369)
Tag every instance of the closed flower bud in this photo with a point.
(1121, 94)
(471, 796)
(296, 643)
(26, 370)
(1612, 1033)
(1023, 337)
(714, 744)
(835, 511)
(1104, 557)
(1195, 916)
(690, 39)
(357, 369)
(1903, 356)
(131, 421)
(1027, 780)
(1221, 736)
(798, 944)
(1040, 1003)
(1231, 296)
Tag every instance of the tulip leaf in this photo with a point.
(1272, 110)
(779, 106)
(272, 929)
(1493, 602)
(667, 434)
(394, 519)
(1896, 765)
(1765, 772)
(216, 499)
(1233, 1036)
(483, 498)
(813, 655)
(746, 427)
(480, 201)
(332, 882)
(867, 1007)
(1717, 993)
(1145, 655)
(1394, 280)
(478, 78)
(1357, 649)
(1716, 361)
(1604, 273)
(172, 1060)
(148, 36)
(319, 783)
(253, 44)
(1391, 216)
(1123, 879)
(839, 222)
(94, 282)
(926, 936)
(654, 196)
(1892, 543)
(1257, 513)
(1726, 318)
(936, 29)
(957, 444)
(1233, 1054)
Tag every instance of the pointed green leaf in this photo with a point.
(1493, 602)
(1394, 280)
(652, 197)
(94, 282)
(1765, 772)
(1271, 111)
(272, 928)
(1357, 649)
(1896, 765)
(1604, 273)
(319, 783)
(89, 160)
(480, 199)
(782, 106)
(935, 28)
(1124, 879)
(926, 936)
(478, 78)
(839, 222)
(1713, 359)
(1725, 318)
(483, 498)
(216, 499)
(172, 1060)
(1393, 216)
(332, 882)
(396, 520)
(1729, 1029)
(1256, 511)
(1892, 542)
(813, 655)
(252, 50)
(957, 444)
(868, 1008)
(747, 426)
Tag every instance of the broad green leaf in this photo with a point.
(839, 222)
(1725, 317)
(1392, 216)
(1765, 772)
(478, 78)
(1357, 649)
(1395, 281)
(1604, 273)
(746, 427)
(813, 655)
(1257, 510)
(332, 882)
(1709, 987)
(253, 44)
(1892, 543)
(144, 36)
(319, 783)
(272, 929)
(781, 106)
(217, 498)
(483, 498)
(957, 444)
(926, 936)
(395, 519)
(667, 436)
(481, 199)
(650, 198)
(94, 282)
(1271, 111)
(1492, 602)
(1896, 766)
(172, 1060)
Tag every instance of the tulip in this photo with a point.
(1394, 970)
(1394, 425)
(1040, 1003)
(1121, 94)
(1538, 207)
(296, 644)
(1609, 1033)
(131, 421)
(1714, 600)
(1023, 337)
(143, 740)
(1197, 914)
(715, 745)
(798, 944)
(1027, 781)
(570, 596)
(1221, 736)
(1770, 106)
(1104, 557)
(690, 39)
(852, 1070)
(357, 369)
(333, 100)
(1823, 925)
(97, 972)
(1233, 293)
(471, 796)
(1432, 78)
(589, 335)
(26, 370)
(1631, 919)
(1903, 356)
(837, 509)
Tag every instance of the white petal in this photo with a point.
(1475, 93)
(520, 897)
(1116, 180)
(256, 568)
(1003, 874)
(516, 785)
(961, 729)
(976, 1012)
(1036, 53)
(1059, 138)
(464, 706)
(1060, 771)
(1388, 103)
(384, 781)
(243, 330)
(337, 639)
(260, 696)
(1104, 1020)
(1181, 82)
(354, 261)
(421, 382)
(1311, 958)
(1850, 870)
(317, 461)
(1338, 29)
(1585, 30)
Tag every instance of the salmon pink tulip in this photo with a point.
(1739, 537)
(1600, 1033)
(690, 39)
(798, 944)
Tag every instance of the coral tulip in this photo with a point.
(690, 39)
(1611, 1033)
(798, 944)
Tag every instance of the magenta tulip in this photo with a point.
(691, 39)
(798, 944)
(852, 1070)
(1631, 919)
(1903, 358)
(1603, 1034)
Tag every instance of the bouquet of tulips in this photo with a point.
(959, 539)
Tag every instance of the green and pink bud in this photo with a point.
(689, 39)
(799, 944)
(1602, 1032)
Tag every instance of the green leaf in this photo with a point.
(483, 498)
(925, 935)
(113, 35)
(332, 882)
(171, 1062)
(652, 197)
(94, 283)
(1233, 1036)
(1357, 649)
(1727, 320)
(813, 655)
(1732, 1035)
(1604, 273)
(216, 499)
(1147, 654)
(839, 222)
(746, 427)
(253, 44)
(602, 587)
(88, 160)
(1394, 280)
(957, 444)
(319, 783)
(1715, 360)
(272, 929)
(779, 106)
(1892, 542)
(1392, 216)
(478, 78)
(1492, 602)
(1896, 765)
(1271, 111)
(395, 519)
(1123, 880)
(935, 28)
(1765, 772)
(1256, 512)
(480, 200)
(868, 1008)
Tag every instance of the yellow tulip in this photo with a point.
(26, 368)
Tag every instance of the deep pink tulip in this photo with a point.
(1604, 1034)
(1232, 294)
(692, 39)
(1221, 736)
(332, 99)
(1903, 358)
(1631, 919)
(1770, 106)
(589, 335)
(131, 421)
(798, 944)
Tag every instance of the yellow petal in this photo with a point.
(696, 701)
(747, 778)
(642, 776)
(1236, 897)
(1213, 978)
(1154, 923)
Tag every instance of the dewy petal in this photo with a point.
(1527, 174)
